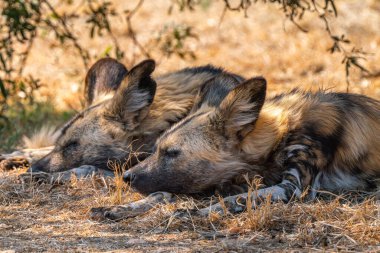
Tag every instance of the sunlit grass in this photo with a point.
(20, 119)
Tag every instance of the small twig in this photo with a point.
(26, 53)
(222, 16)
(295, 10)
(29, 46)
(131, 31)
(83, 53)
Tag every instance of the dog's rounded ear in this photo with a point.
(241, 107)
(213, 91)
(143, 69)
(140, 76)
(132, 100)
(103, 77)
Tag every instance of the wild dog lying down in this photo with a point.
(127, 124)
(102, 78)
(297, 141)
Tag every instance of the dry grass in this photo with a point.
(55, 218)
(120, 186)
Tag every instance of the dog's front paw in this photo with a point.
(114, 213)
(117, 213)
(98, 213)
(132, 209)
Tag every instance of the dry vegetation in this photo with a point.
(55, 217)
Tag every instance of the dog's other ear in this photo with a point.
(241, 107)
(212, 92)
(132, 100)
(104, 76)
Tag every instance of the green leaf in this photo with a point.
(106, 52)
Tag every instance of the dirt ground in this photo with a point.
(39, 218)
(45, 217)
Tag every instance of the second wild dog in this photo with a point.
(297, 142)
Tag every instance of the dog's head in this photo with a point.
(105, 130)
(201, 151)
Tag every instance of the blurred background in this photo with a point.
(46, 47)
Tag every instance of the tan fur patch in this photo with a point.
(269, 129)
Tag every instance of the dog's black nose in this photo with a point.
(128, 177)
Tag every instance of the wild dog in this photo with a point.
(299, 142)
(125, 125)
(210, 95)
(102, 78)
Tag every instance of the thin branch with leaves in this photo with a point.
(295, 10)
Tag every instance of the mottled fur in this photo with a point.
(125, 125)
(297, 141)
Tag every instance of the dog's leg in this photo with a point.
(22, 158)
(81, 172)
(238, 203)
(301, 162)
(132, 209)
